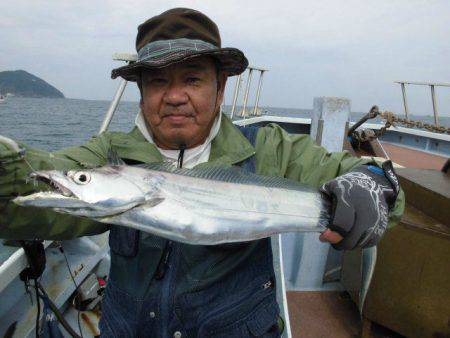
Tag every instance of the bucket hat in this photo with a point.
(177, 35)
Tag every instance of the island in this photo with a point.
(23, 84)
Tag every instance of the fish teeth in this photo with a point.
(66, 193)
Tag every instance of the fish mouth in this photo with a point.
(58, 197)
(57, 187)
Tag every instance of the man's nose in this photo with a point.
(175, 94)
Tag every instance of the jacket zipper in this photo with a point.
(170, 267)
(163, 263)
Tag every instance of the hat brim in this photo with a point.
(232, 62)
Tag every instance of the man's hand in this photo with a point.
(361, 202)
(9, 150)
(331, 237)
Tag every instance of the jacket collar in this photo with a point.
(228, 147)
(133, 146)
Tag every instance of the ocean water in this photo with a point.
(53, 124)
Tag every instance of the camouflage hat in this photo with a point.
(177, 35)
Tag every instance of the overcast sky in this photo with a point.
(345, 48)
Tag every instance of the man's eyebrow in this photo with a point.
(193, 66)
(152, 72)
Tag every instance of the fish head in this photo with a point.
(95, 192)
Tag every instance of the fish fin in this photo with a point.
(113, 158)
(159, 166)
(232, 174)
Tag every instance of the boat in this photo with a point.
(321, 292)
(2, 99)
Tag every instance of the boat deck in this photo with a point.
(329, 314)
(413, 158)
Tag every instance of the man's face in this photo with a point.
(180, 102)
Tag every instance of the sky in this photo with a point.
(342, 48)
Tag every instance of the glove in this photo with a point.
(361, 200)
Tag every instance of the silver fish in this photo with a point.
(197, 206)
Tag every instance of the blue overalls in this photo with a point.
(170, 302)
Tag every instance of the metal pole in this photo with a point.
(113, 106)
(405, 103)
(255, 109)
(247, 90)
(433, 97)
(373, 112)
(237, 87)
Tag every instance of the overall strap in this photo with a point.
(250, 133)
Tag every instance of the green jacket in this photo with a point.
(277, 154)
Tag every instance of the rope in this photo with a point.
(391, 120)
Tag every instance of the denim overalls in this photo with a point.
(171, 302)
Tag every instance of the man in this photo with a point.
(159, 288)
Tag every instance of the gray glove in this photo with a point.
(361, 202)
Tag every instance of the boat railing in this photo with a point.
(237, 88)
(432, 86)
(129, 58)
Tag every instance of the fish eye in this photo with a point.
(81, 177)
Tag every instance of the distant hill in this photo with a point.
(23, 84)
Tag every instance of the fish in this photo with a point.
(201, 206)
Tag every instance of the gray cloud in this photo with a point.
(354, 49)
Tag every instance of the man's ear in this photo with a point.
(221, 83)
(141, 90)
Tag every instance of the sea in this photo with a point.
(52, 124)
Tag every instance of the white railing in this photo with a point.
(237, 88)
(433, 95)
